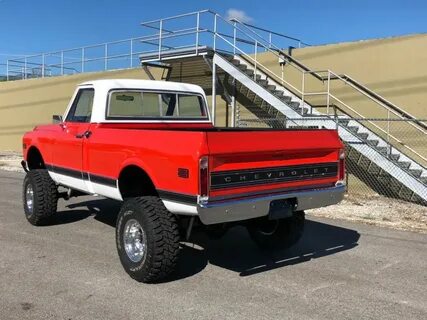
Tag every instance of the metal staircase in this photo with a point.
(224, 58)
(242, 64)
(377, 165)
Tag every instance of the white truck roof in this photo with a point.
(103, 87)
(109, 84)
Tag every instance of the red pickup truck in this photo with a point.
(152, 145)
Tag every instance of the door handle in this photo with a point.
(85, 134)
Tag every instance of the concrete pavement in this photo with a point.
(339, 270)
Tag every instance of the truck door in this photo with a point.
(68, 148)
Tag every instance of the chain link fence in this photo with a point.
(383, 156)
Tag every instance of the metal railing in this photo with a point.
(283, 56)
(271, 34)
(125, 53)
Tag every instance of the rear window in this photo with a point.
(146, 105)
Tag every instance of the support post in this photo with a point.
(302, 92)
(7, 70)
(388, 133)
(43, 63)
(62, 63)
(83, 60)
(160, 38)
(255, 66)
(328, 96)
(282, 74)
(105, 57)
(233, 104)
(25, 68)
(214, 39)
(213, 92)
(197, 32)
(131, 52)
(234, 37)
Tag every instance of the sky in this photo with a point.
(34, 26)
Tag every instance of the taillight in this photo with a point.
(341, 158)
(204, 179)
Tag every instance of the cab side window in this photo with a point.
(81, 109)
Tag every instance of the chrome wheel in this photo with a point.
(29, 198)
(135, 241)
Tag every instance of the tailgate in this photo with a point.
(245, 162)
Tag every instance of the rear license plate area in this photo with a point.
(280, 209)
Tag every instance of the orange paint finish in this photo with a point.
(162, 148)
(159, 152)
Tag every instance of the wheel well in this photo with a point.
(35, 159)
(135, 182)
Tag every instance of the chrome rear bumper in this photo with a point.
(243, 209)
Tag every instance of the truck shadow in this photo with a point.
(235, 251)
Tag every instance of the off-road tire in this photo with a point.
(277, 234)
(45, 197)
(162, 239)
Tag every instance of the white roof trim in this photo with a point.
(103, 87)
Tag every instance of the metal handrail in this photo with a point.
(271, 73)
(270, 32)
(347, 79)
(178, 16)
(399, 114)
(385, 106)
(379, 128)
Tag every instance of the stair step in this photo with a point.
(242, 67)
(250, 72)
(416, 172)
(286, 99)
(271, 87)
(423, 180)
(373, 143)
(382, 150)
(404, 164)
(304, 111)
(294, 105)
(301, 111)
(262, 82)
(235, 62)
(278, 93)
(353, 129)
(363, 135)
(344, 122)
(394, 157)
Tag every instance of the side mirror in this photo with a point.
(56, 119)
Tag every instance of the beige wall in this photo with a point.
(395, 68)
(27, 103)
